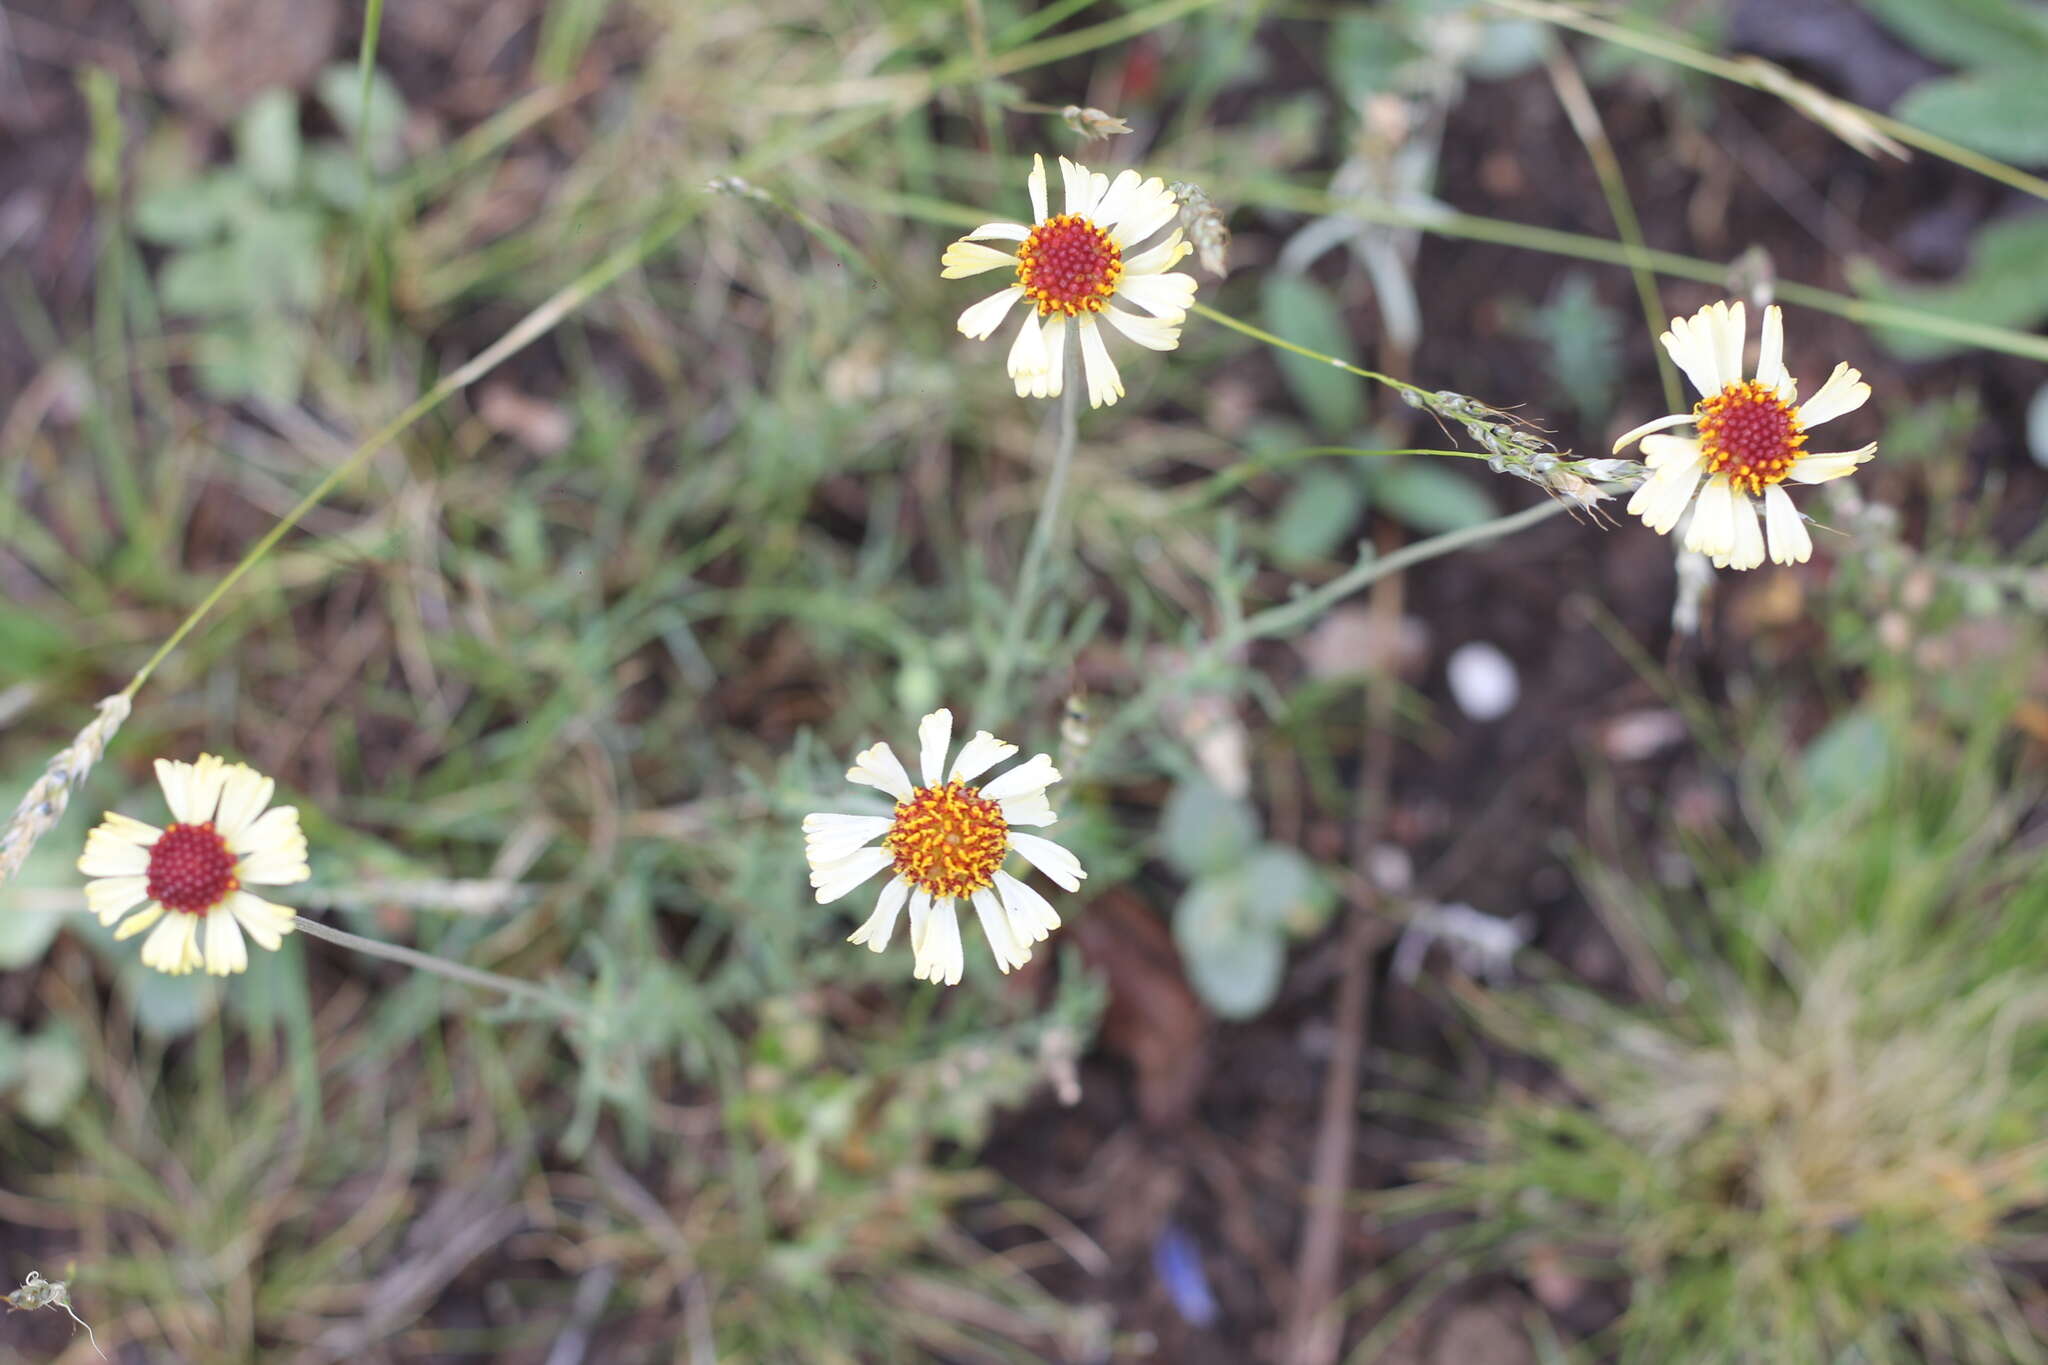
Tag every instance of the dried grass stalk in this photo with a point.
(44, 805)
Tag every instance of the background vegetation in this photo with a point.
(556, 670)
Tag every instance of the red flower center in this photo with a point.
(1750, 434)
(948, 840)
(191, 869)
(1069, 265)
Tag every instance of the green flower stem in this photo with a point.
(1249, 468)
(1300, 610)
(524, 991)
(1278, 194)
(1260, 334)
(1587, 123)
(1023, 605)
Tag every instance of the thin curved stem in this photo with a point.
(1025, 603)
(1755, 74)
(1260, 334)
(1276, 194)
(1298, 611)
(526, 331)
(441, 966)
(1592, 130)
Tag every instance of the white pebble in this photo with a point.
(1483, 681)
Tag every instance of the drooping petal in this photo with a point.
(833, 880)
(1629, 438)
(1035, 183)
(1821, 466)
(1690, 346)
(134, 831)
(109, 898)
(1790, 543)
(140, 920)
(1844, 392)
(1032, 917)
(226, 954)
(1121, 197)
(877, 766)
(1048, 382)
(1027, 352)
(881, 925)
(1026, 779)
(828, 837)
(265, 921)
(1747, 550)
(1731, 323)
(1048, 857)
(243, 795)
(1166, 297)
(1032, 812)
(978, 755)
(920, 917)
(1713, 520)
(995, 926)
(1152, 207)
(1662, 500)
(1659, 451)
(934, 737)
(192, 790)
(1081, 192)
(1770, 356)
(939, 956)
(108, 854)
(1105, 385)
(1165, 256)
(964, 258)
(1151, 333)
(273, 849)
(173, 946)
(984, 317)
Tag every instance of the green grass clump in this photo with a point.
(1820, 1136)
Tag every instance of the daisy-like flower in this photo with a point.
(1750, 439)
(946, 842)
(1070, 268)
(188, 877)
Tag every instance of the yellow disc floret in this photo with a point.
(948, 840)
(1750, 434)
(1068, 265)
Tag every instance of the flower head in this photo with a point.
(946, 842)
(1093, 124)
(1750, 439)
(188, 877)
(1071, 267)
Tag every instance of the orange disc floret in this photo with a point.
(1068, 265)
(191, 869)
(948, 840)
(1750, 434)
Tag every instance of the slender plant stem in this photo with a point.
(1754, 74)
(1260, 334)
(1023, 606)
(441, 966)
(1277, 194)
(527, 330)
(1586, 122)
(1298, 611)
